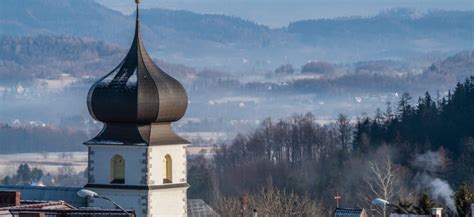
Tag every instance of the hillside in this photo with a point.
(32, 58)
(28, 62)
(460, 66)
(224, 41)
(36, 139)
(24, 59)
(403, 151)
(216, 28)
(69, 17)
(394, 25)
(47, 57)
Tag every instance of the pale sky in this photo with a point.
(277, 13)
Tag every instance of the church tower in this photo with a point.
(137, 160)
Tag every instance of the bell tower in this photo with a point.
(137, 160)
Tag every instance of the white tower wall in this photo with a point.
(167, 199)
(143, 189)
(101, 155)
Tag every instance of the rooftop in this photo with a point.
(349, 212)
(37, 193)
(64, 200)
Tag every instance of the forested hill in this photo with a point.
(216, 28)
(459, 66)
(36, 139)
(397, 24)
(88, 18)
(204, 38)
(24, 59)
(68, 17)
(431, 124)
(411, 151)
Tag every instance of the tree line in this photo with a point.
(382, 156)
(37, 139)
(431, 124)
(65, 176)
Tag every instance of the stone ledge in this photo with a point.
(138, 187)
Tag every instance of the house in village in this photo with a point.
(349, 212)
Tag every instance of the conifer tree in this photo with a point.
(406, 205)
(425, 204)
(463, 197)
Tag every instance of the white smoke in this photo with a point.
(429, 163)
(441, 190)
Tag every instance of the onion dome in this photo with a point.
(137, 90)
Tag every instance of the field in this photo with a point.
(49, 162)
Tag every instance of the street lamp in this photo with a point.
(90, 194)
(254, 213)
(382, 202)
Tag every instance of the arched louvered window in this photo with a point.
(168, 169)
(117, 169)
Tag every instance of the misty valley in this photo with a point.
(281, 118)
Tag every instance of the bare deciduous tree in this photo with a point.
(383, 180)
(227, 207)
(270, 202)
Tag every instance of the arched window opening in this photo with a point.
(117, 169)
(168, 170)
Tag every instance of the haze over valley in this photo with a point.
(237, 72)
(290, 104)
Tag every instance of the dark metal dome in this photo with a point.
(137, 90)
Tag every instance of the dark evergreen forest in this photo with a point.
(432, 124)
(412, 154)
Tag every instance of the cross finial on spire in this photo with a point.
(337, 198)
(138, 9)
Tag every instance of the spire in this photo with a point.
(137, 19)
(137, 91)
(138, 10)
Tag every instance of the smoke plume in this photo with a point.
(440, 190)
(429, 161)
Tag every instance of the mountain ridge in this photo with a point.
(231, 42)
